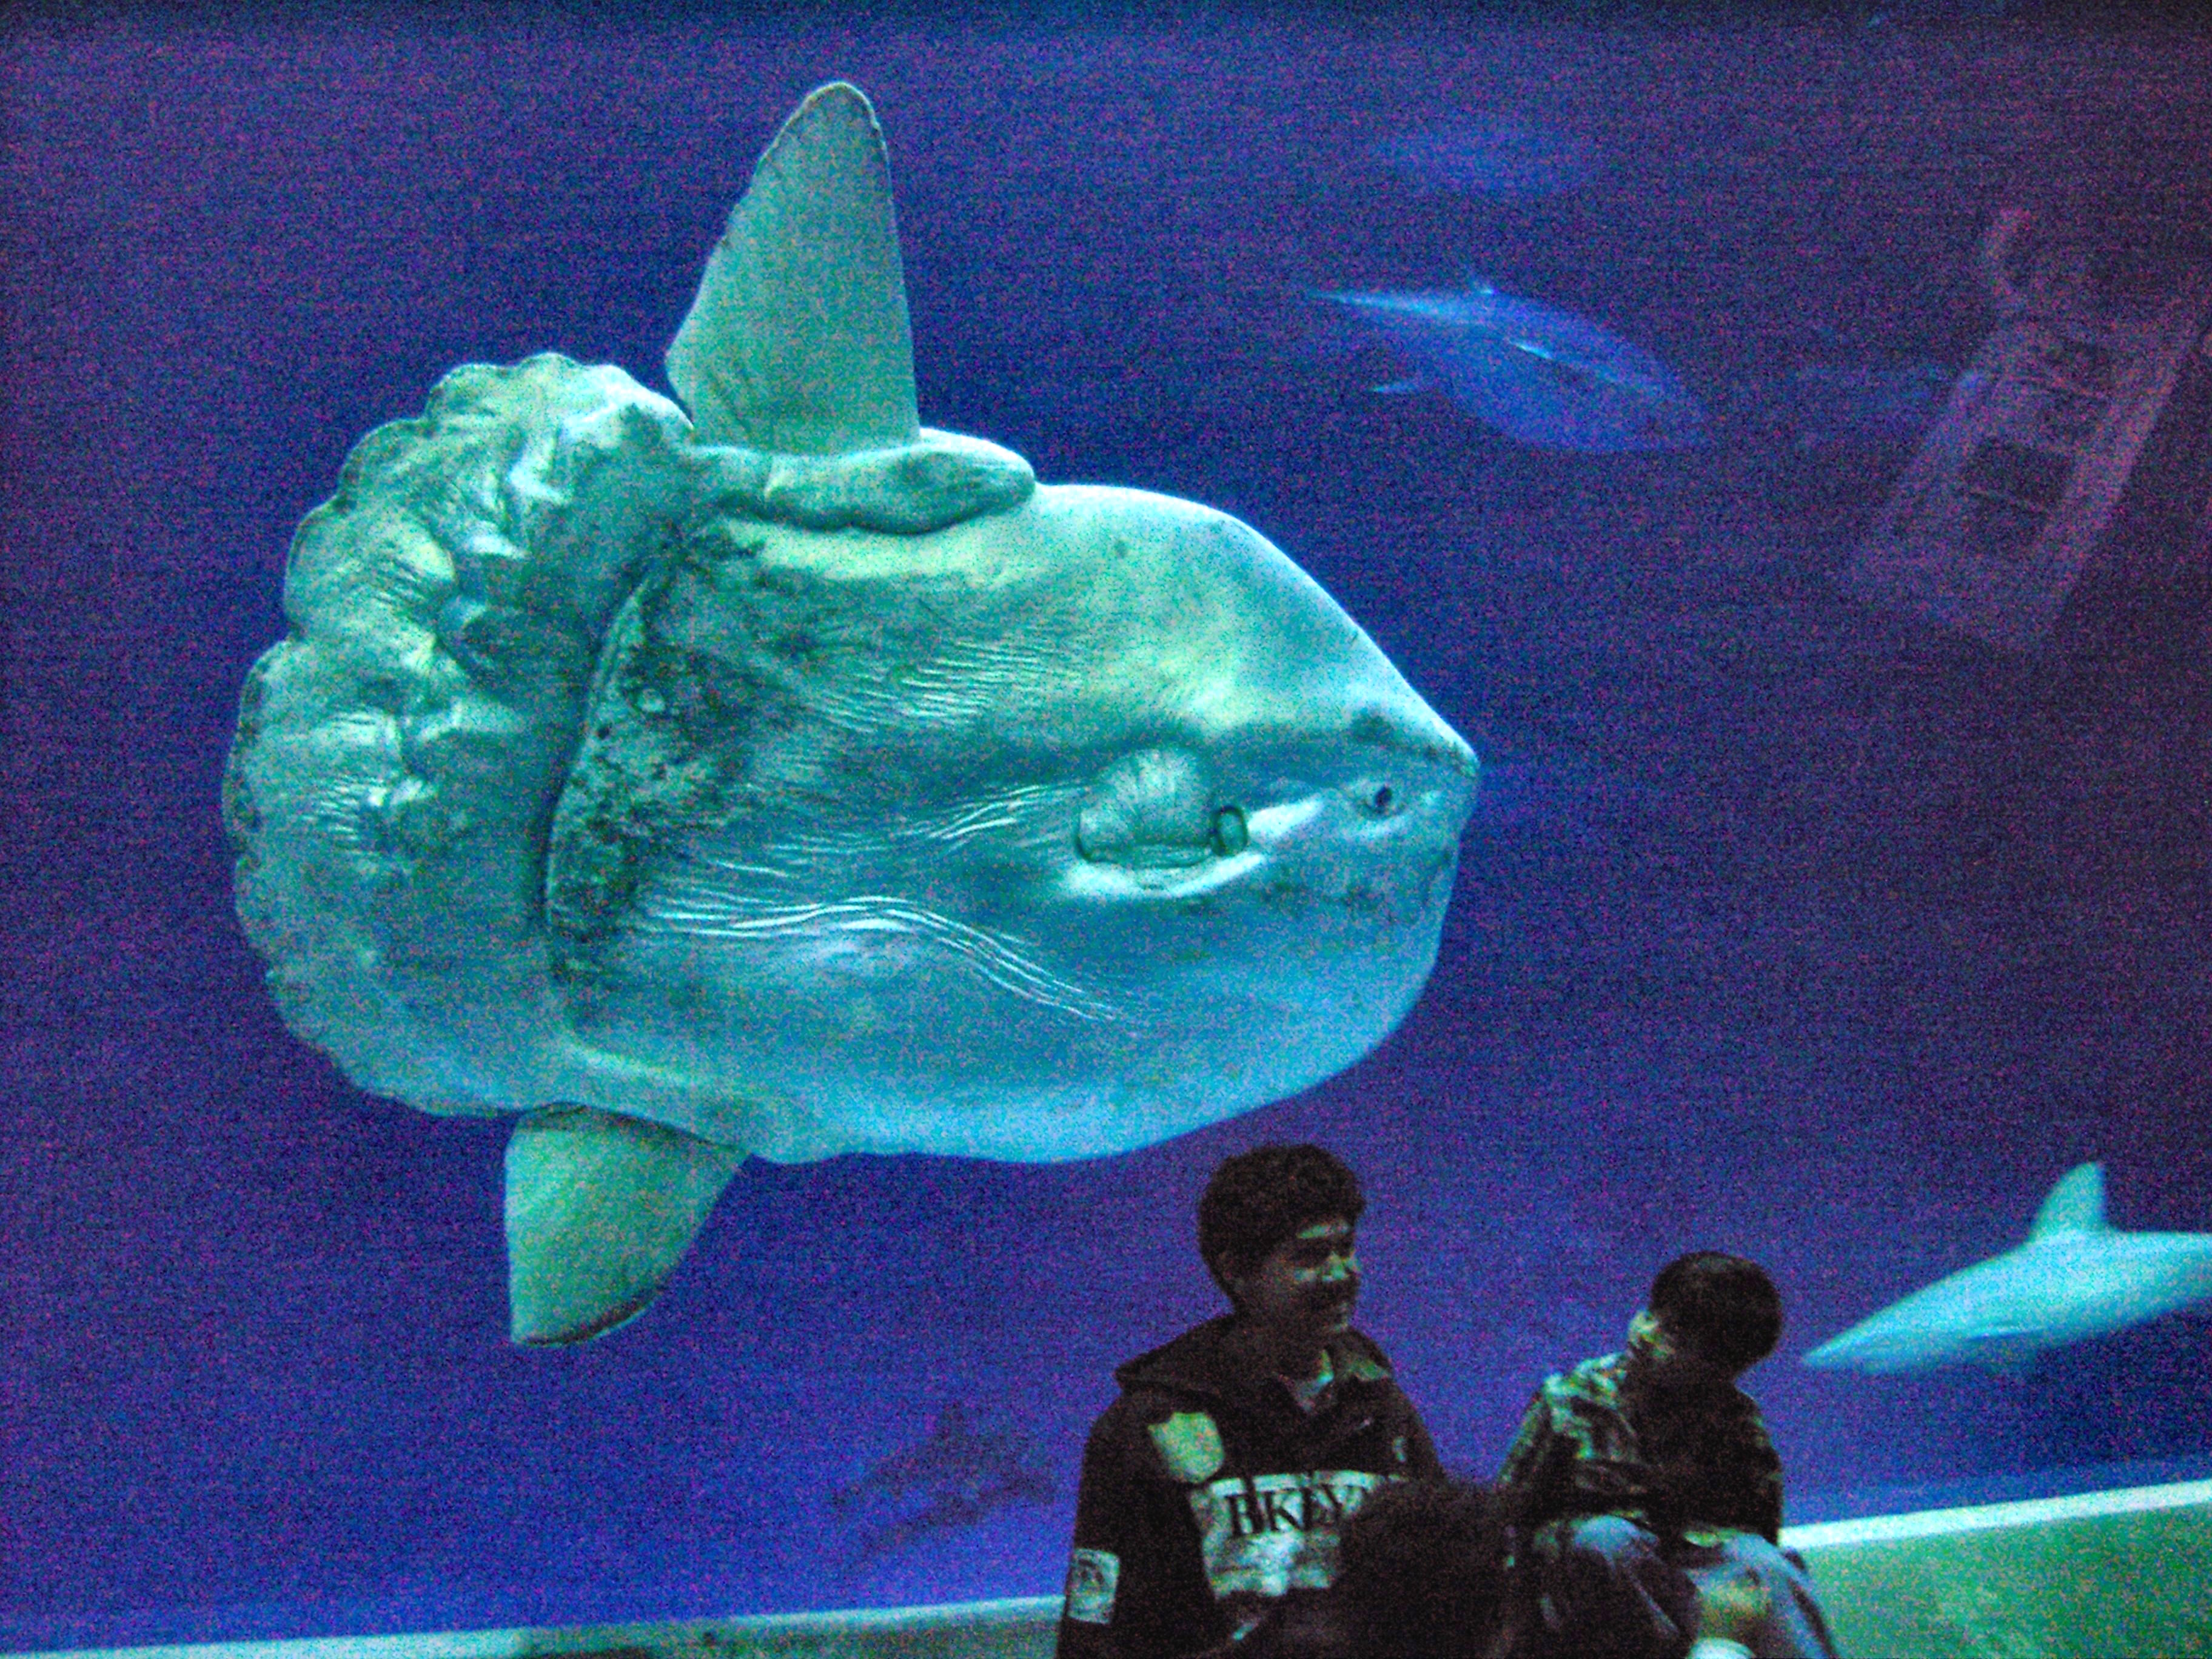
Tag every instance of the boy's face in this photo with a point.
(1307, 1286)
(1666, 1357)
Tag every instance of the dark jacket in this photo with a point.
(1594, 1443)
(1207, 1491)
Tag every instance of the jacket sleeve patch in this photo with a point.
(1091, 1577)
(1190, 1445)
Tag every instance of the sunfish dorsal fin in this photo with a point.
(797, 341)
(2075, 1203)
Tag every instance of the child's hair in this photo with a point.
(1725, 1305)
(1259, 1200)
(1420, 1574)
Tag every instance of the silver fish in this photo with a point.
(1543, 376)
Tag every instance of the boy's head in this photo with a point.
(1420, 1574)
(1259, 1200)
(1722, 1307)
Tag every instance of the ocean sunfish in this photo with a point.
(774, 776)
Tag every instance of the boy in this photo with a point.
(1643, 1478)
(1218, 1482)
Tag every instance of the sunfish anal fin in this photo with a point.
(599, 1210)
(797, 341)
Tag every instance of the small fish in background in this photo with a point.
(1543, 376)
(1820, 406)
(2075, 1278)
(1498, 156)
(952, 1477)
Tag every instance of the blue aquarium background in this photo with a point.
(1783, 926)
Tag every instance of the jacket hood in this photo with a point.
(1213, 1360)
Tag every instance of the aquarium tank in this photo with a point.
(1175, 579)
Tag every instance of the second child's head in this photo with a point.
(1420, 1576)
(1710, 1316)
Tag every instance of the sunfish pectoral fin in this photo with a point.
(599, 1210)
(797, 341)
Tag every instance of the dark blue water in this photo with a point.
(1781, 928)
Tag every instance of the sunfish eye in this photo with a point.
(1375, 800)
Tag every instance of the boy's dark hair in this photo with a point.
(1420, 1576)
(1260, 1199)
(1420, 1570)
(1726, 1306)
